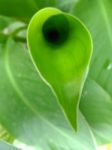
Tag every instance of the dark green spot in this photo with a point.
(56, 29)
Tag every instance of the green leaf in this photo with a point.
(61, 48)
(5, 146)
(22, 9)
(25, 9)
(96, 103)
(29, 110)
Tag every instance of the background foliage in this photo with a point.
(29, 112)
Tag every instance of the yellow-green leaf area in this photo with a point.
(61, 48)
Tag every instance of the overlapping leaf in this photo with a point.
(96, 103)
(29, 110)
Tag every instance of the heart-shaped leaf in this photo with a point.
(61, 47)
